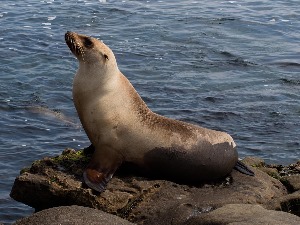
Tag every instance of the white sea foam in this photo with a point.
(51, 17)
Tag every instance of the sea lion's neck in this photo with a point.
(91, 78)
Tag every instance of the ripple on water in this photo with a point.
(215, 64)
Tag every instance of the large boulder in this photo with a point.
(57, 181)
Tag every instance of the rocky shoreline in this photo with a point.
(53, 186)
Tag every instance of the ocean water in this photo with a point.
(227, 65)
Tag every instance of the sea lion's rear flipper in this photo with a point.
(241, 167)
(101, 169)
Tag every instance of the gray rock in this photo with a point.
(72, 215)
(243, 214)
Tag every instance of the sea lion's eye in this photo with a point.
(105, 56)
(87, 42)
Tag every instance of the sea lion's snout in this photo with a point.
(75, 44)
(69, 37)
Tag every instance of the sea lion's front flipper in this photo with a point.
(96, 179)
(101, 169)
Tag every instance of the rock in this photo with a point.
(243, 214)
(58, 181)
(292, 182)
(273, 172)
(288, 203)
(292, 169)
(254, 161)
(260, 164)
(75, 215)
(243, 189)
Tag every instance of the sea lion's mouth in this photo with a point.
(74, 44)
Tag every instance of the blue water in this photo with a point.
(227, 65)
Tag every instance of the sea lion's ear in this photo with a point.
(106, 57)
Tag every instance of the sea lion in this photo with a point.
(123, 129)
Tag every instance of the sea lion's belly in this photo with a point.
(201, 162)
(174, 155)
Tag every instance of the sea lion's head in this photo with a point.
(91, 52)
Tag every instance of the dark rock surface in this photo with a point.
(292, 182)
(288, 203)
(57, 181)
(75, 215)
